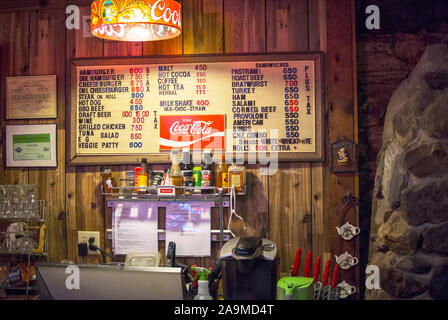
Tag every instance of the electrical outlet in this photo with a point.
(84, 236)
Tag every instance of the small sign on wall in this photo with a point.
(31, 146)
(31, 97)
(344, 156)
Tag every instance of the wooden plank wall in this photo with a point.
(296, 207)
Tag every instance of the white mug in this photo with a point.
(346, 289)
(346, 261)
(347, 231)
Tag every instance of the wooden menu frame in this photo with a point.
(73, 158)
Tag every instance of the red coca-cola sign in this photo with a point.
(198, 132)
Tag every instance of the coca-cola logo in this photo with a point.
(111, 30)
(159, 10)
(195, 128)
(197, 131)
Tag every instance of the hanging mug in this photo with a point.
(346, 261)
(347, 231)
(346, 289)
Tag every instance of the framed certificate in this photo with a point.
(31, 97)
(31, 145)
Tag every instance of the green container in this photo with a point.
(197, 176)
(295, 288)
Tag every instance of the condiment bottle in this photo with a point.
(188, 182)
(166, 180)
(206, 173)
(197, 176)
(142, 179)
(221, 174)
(129, 182)
(137, 171)
(187, 172)
(175, 173)
(156, 180)
(237, 177)
(109, 182)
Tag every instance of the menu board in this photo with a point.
(147, 106)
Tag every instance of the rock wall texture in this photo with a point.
(409, 224)
(386, 57)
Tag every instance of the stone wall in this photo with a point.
(386, 57)
(409, 226)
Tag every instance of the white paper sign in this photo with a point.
(188, 225)
(135, 227)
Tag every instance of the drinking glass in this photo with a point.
(16, 204)
(5, 201)
(2, 199)
(23, 191)
(30, 201)
(26, 244)
(32, 205)
(8, 243)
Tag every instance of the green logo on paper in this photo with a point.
(32, 147)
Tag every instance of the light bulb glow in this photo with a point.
(136, 20)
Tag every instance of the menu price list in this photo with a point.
(119, 107)
(95, 121)
(253, 117)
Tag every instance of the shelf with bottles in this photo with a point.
(185, 180)
(154, 194)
